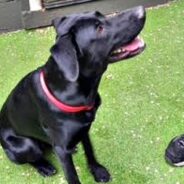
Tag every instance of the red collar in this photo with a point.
(63, 107)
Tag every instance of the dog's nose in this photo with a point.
(139, 12)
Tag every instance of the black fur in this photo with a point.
(30, 124)
(174, 153)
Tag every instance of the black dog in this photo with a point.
(174, 153)
(35, 115)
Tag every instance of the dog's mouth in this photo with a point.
(131, 49)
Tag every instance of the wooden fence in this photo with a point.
(18, 14)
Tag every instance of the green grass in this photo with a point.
(143, 103)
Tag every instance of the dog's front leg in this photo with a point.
(99, 172)
(68, 166)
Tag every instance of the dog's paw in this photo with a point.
(100, 173)
(44, 167)
(46, 171)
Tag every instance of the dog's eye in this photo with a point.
(100, 28)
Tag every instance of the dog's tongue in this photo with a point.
(134, 45)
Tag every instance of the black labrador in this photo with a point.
(55, 105)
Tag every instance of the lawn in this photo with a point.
(143, 103)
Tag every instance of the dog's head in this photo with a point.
(175, 151)
(86, 43)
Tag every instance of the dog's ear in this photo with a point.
(63, 25)
(65, 56)
(57, 24)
